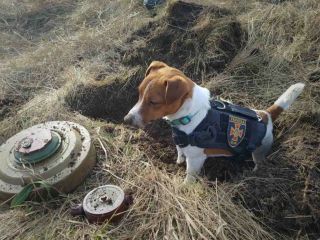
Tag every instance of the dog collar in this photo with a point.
(182, 121)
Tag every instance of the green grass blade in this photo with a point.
(22, 195)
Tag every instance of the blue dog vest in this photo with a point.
(226, 126)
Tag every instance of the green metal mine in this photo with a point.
(49, 148)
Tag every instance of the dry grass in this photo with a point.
(162, 209)
(53, 50)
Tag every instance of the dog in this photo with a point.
(197, 121)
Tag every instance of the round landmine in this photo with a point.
(103, 203)
(60, 153)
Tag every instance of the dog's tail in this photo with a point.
(285, 100)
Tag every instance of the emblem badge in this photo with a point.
(236, 130)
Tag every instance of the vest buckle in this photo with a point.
(222, 105)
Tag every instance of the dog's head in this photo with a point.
(162, 92)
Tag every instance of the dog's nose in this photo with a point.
(128, 119)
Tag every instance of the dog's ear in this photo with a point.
(175, 89)
(155, 65)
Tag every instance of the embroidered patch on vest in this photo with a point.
(236, 130)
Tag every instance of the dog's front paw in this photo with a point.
(256, 168)
(181, 159)
(189, 179)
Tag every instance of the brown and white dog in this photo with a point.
(167, 93)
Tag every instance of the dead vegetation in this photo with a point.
(82, 61)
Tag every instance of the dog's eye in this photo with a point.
(154, 103)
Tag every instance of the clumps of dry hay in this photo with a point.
(43, 64)
(288, 29)
(282, 48)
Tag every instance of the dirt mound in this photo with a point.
(196, 39)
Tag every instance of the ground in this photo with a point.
(83, 60)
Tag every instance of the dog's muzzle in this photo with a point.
(129, 119)
(133, 120)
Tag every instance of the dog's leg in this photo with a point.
(194, 166)
(259, 155)
(181, 158)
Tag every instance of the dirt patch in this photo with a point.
(314, 76)
(274, 1)
(109, 99)
(226, 169)
(7, 106)
(157, 144)
(196, 39)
